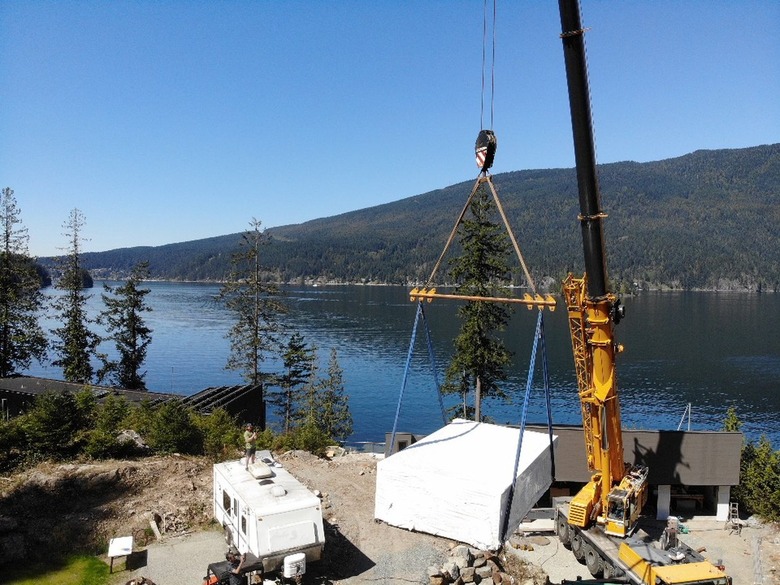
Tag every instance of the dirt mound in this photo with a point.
(55, 508)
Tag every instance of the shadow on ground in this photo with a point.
(341, 559)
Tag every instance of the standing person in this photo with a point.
(250, 439)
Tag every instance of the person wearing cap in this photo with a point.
(236, 562)
(250, 438)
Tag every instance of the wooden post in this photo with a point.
(478, 401)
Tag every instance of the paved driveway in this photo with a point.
(175, 561)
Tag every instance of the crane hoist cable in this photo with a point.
(484, 63)
(485, 147)
(485, 151)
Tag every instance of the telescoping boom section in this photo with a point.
(617, 492)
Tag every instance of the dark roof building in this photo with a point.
(244, 402)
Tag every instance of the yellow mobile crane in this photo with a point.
(599, 522)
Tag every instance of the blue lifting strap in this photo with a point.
(538, 336)
(419, 315)
(433, 366)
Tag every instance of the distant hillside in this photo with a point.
(710, 219)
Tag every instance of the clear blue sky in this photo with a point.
(177, 120)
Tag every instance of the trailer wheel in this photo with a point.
(228, 535)
(562, 528)
(592, 560)
(577, 545)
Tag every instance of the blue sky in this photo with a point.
(177, 120)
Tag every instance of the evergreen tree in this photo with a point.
(759, 481)
(298, 360)
(309, 403)
(759, 473)
(333, 414)
(57, 421)
(481, 270)
(256, 306)
(123, 319)
(75, 345)
(21, 337)
(173, 429)
(732, 422)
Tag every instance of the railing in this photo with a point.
(365, 447)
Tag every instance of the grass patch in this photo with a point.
(76, 570)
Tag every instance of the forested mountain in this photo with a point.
(710, 219)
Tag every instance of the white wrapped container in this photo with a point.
(456, 482)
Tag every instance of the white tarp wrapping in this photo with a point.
(456, 482)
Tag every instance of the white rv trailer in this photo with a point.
(267, 512)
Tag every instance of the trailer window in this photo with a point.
(226, 503)
(235, 507)
(243, 523)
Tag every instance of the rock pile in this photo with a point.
(468, 565)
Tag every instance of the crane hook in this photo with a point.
(485, 149)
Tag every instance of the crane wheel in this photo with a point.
(577, 546)
(592, 560)
(562, 528)
(611, 572)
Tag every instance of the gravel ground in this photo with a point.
(751, 557)
(183, 560)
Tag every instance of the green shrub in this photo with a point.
(265, 440)
(173, 430)
(220, 433)
(306, 437)
(11, 442)
(51, 426)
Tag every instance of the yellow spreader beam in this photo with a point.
(535, 301)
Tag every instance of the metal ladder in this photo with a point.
(733, 523)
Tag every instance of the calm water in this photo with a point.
(711, 350)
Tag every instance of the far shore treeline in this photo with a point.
(704, 221)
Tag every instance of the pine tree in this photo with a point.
(759, 481)
(123, 319)
(256, 306)
(333, 415)
(481, 270)
(732, 422)
(21, 337)
(298, 360)
(75, 345)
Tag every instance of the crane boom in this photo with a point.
(616, 493)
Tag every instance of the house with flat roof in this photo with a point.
(690, 471)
